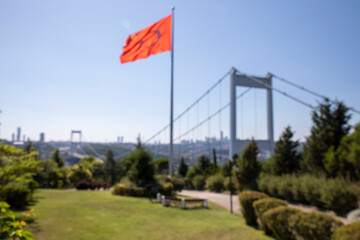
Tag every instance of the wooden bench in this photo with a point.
(166, 200)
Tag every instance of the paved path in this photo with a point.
(219, 198)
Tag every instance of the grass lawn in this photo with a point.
(78, 215)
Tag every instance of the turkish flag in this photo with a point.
(153, 39)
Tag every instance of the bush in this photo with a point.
(264, 204)
(167, 189)
(122, 190)
(178, 183)
(17, 194)
(188, 184)
(347, 232)
(277, 219)
(82, 185)
(233, 184)
(246, 200)
(199, 182)
(317, 226)
(215, 183)
(335, 194)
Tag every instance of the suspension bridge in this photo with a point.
(211, 122)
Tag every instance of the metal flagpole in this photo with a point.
(171, 94)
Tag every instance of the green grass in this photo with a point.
(62, 214)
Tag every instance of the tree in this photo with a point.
(55, 155)
(142, 170)
(110, 165)
(183, 168)
(17, 171)
(330, 124)
(345, 161)
(79, 172)
(286, 158)
(249, 166)
(28, 147)
(214, 157)
(161, 165)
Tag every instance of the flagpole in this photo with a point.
(171, 94)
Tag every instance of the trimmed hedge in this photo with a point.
(263, 205)
(334, 194)
(246, 200)
(315, 226)
(347, 232)
(277, 219)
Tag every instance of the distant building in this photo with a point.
(18, 136)
(24, 137)
(13, 137)
(42, 137)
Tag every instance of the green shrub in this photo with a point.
(18, 194)
(268, 184)
(246, 200)
(215, 183)
(122, 190)
(188, 183)
(347, 232)
(277, 220)
(336, 195)
(263, 205)
(311, 187)
(233, 184)
(167, 189)
(199, 182)
(284, 188)
(316, 226)
(178, 183)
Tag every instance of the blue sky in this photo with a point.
(60, 68)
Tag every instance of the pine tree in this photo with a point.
(249, 166)
(330, 124)
(55, 155)
(183, 168)
(214, 158)
(142, 171)
(286, 158)
(110, 165)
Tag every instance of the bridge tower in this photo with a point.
(72, 143)
(236, 145)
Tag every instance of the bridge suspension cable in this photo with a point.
(309, 91)
(190, 107)
(211, 116)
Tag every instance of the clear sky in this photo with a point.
(60, 68)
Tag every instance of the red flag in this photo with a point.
(153, 39)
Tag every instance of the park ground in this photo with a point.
(62, 214)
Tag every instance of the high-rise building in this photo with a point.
(18, 136)
(42, 137)
(13, 137)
